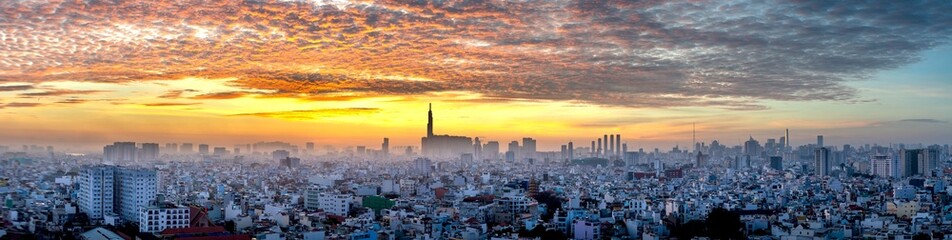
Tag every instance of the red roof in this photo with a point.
(192, 230)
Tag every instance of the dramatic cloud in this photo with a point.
(168, 104)
(12, 88)
(60, 92)
(313, 114)
(729, 54)
(19, 105)
(923, 120)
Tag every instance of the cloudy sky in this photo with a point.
(351, 72)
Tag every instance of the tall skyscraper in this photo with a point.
(385, 147)
(203, 148)
(618, 151)
(598, 152)
(819, 141)
(528, 148)
(444, 146)
(477, 149)
(513, 147)
(491, 150)
(822, 161)
(787, 136)
(909, 161)
(592, 150)
(150, 151)
(571, 151)
(605, 145)
(929, 160)
(609, 150)
(429, 122)
(310, 147)
(137, 187)
(752, 147)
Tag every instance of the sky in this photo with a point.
(81, 74)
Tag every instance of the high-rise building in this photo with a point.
(107, 190)
(120, 152)
(819, 141)
(752, 147)
(277, 155)
(605, 148)
(909, 162)
(514, 148)
(150, 152)
(928, 160)
(444, 146)
(203, 148)
(96, 194)
(477, 149)
(137, 187)
(610, 148)
(598, 152)
(786, 135)
(528, 148)
(776, 162)
(883, 166)
(422, 166)
(491, 150)
(822, 162)
(220, 151)
(385, 147)
(186, 148)
(310, 147)
(618, 150)
(571, 151)
(171, 147)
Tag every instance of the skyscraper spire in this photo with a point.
(429, 123)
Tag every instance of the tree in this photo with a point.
(723, 224)
(921, 236)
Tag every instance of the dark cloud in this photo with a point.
(11, 88)
(924, 120)
(168, 104)
(20, 105)
(60, 92)
(728, 54)
(221, 95)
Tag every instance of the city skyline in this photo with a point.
(153, 72)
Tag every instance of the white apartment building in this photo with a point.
(96, 193)
(157, 218)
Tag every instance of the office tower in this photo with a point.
(220, 151)
(787, 136)
(752, 147)
(929, 160)
(96, 195)
(477, 149)
(280, 154)
(236, 150)
(776, 162)
(186, 148)
(203, 148)
(120, 152)
(491, 149)
(783, 144)
(150, 151)
(624, 149)
(429, 122)
(609, 150)
(605, 148)
(882, 165)
(571, 151)
(592, 150)
(385, 147)
(565, 152)
(408, 151)
(598, 152)
(528, 148)
(466, 160)
(909, 162)
(514, 149)
(821, 161)
(618, 151)
(819, 141)
(310, 147)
